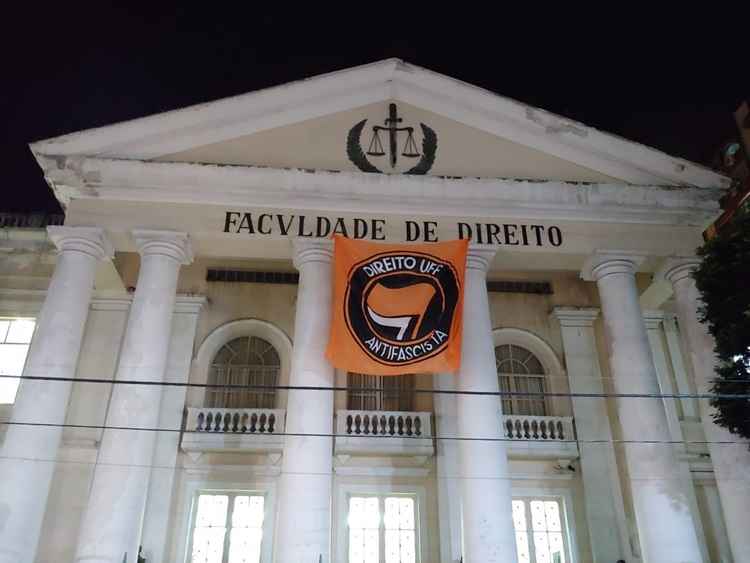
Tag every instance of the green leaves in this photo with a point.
(723, 280)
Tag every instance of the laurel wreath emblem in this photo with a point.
(359, 159)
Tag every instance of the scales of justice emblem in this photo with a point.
(375, 148)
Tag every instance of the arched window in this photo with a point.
(247, 360)
(380, 393)
(518, 370)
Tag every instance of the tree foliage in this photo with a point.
(723, 279)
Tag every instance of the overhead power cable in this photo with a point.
(252, 386)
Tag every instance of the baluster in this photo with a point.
(560, 433)
(418, 426)
(227, 422)
(366, 424)
(552, 430)
(391, 425)
(375, 425)
(199, 425)
(383, 425)
(408, 426)
(357, 424)
(263, 419)
(209, 422)
(244, 422)
(253, 422)
(508, 428)
(349, 421)
(526, 430)
(535, 429)
(217, 421)
(235, 421)
(400, 422)
(519, 429)
(271, 423)
(545, 433)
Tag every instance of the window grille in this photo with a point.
(227, 528)
(247, 360)
(518, 370)
(15, 339)
(541, 536)
(382, 529)
(380, 393)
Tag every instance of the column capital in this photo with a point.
(575, 316)
(306, 250)
(605, 262)
(653, 318)
(172, 244)
(87, 240)
(676, 269)
(480, 257)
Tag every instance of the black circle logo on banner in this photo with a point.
(399, 306)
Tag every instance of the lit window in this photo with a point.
(519, 371)
(382, 529)
(15, 338)
(540, 534)
(227, 528)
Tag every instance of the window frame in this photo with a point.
(417, 492)
(247, 374)
(514, 400)
(12, 318)
(381, 392)
(188, 505)
(564, 497)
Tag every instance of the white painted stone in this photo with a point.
(731, 461)
(303, 530)
(28, 453)
(112, 522)
(487, 526)
(605, 513)
(665, 523)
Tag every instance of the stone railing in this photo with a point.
(384, 432)
(540, 436)
(233, 430)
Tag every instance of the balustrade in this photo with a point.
(540, 436)
(387, 432)
(216, 429)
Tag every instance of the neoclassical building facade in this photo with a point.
(177, 405)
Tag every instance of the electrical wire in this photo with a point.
(743, 396)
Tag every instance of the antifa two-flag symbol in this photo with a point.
(397, 308)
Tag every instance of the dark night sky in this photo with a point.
(670, 81)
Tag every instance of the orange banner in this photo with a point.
(397, 308)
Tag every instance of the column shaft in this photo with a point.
(28, 453)
(604, 505)
(487, 524)
(304, 507)
(731, 461)
(449, 500)
(665, 524)
(112, 521)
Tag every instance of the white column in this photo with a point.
(731, 462)
(112, 521)
(28, 453)
(605, 513)
(449, 500)
(653, 321)
(303, 531)
(684, 386)
(487, 523)
(662, 510)
(156, 520)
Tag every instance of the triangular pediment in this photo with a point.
(326, 123)
(358, 139)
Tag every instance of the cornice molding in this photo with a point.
(248, 186)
